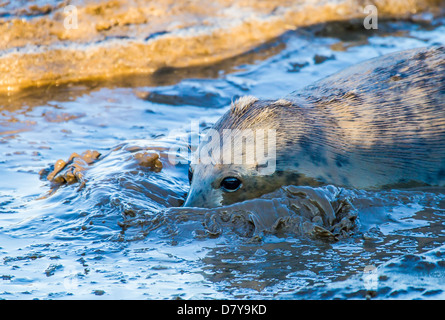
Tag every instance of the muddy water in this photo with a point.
(90, 204)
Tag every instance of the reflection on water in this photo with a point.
(111, 225)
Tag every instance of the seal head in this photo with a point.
(237, 159)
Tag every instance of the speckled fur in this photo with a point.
(377, 124)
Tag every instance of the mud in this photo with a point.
(124, 234)
(291, 211)
(69, 172)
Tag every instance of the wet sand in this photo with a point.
(119, 37)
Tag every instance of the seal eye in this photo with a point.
(190, 175)
(231, 184)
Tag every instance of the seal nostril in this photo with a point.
(231, 184)
(190, 175)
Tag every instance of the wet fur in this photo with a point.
(377, 124)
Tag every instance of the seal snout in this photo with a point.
(201, 196)
(193, 200)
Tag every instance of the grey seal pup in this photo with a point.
(375, 125)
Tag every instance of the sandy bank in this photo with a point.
(121, 37)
